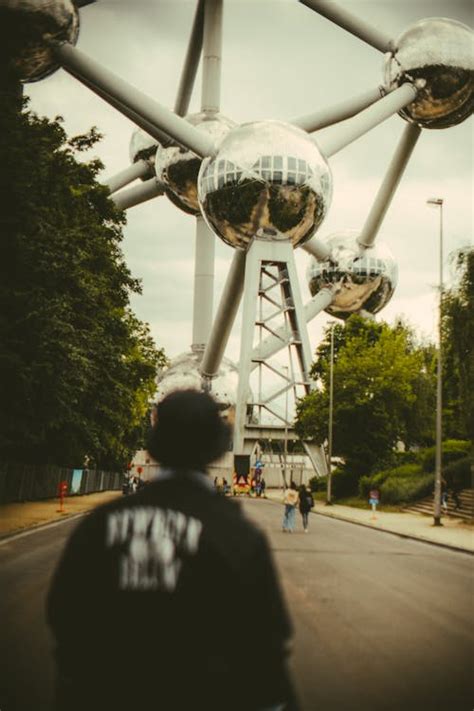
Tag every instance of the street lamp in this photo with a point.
(285, 450)
(331, 407)
(438, 202)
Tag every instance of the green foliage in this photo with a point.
(458, 358)
(377, 480)
(452, 449)
(400, 490)
(383, 392)
(77, 367)
(343, 483)
(459, 473)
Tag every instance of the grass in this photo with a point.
(357, 503)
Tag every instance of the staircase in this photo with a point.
(465, 511)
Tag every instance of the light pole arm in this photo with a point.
(109, 84)
(339, 112)
(372, 35)
(191, 63)
(138, 194)
(126, 176)
(225, 317)
(389, 185)
(352, 129)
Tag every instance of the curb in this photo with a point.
(411, 536)
(23, 532)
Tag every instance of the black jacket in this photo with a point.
(164, 600)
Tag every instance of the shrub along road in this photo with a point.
(382, 623)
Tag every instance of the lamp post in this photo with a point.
(438, 202)
(331, 407)
(285, 450)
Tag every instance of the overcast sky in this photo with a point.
(280, 60)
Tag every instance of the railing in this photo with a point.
(29, 482)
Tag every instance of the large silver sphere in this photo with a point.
(183, 373)
(26, 28)
(439, 55)
(270, 180)
(179, 169)
(367, 281)
(143, 147)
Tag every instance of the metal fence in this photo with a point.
(27, 482)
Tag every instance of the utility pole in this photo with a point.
(438, 202)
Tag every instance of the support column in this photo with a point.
(203, 285)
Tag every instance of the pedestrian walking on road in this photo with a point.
(290, 499)
(305, 504)
(155, 575)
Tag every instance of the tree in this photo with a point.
(383, 392)
(77, 367)
(458, 359)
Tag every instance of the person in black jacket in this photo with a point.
(165, 578)
(305, 504)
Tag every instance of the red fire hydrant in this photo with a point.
(62, 491)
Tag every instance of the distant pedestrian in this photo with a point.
(444, 496)
(263, 485)
(305, 504)
(290, 499)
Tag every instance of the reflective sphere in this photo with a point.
(178, 169)
(26, 27)
(269, 180)
(183, 373)
(367, 281)
(143, 147)
(439, 55)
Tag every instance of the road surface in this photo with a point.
(382, 623)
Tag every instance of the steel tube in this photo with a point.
(317, 249)
(225, 317)
(203, 284)
(331, 11)
(126, 176)
(82, 67)
(354, 128)
(389, 185)
(138, 194)
(339, 112)
(191, 63)
(211, 59)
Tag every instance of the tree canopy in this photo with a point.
(77, 367)
(458, 358)
(383, 392)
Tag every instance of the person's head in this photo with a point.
(293, 485)
(188, 431)
(302, 489)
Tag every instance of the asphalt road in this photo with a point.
(381, 623)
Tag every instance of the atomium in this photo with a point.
(179, 169)
(183, 373)
(438, 55)
(367, 279)
(269, 180)
(143, 147)
(27, 29)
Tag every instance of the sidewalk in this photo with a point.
(15, 518)
(454, 533)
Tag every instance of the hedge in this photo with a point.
(452, 449)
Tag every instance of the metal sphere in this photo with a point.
(367, 279)
(179, 169)
(183, 373)
(269, 180)
(143, 147)
(28, 27)
(438, 54)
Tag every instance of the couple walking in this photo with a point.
(294, 497)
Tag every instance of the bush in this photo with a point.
(401, 490)
(318, 483)
(344, 483)
(377, 481)
(458, 474)
(452, 450)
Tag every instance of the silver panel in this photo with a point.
(438, 54)
(179, 169)
(26, 27)
(268, 179)
(367, 279)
